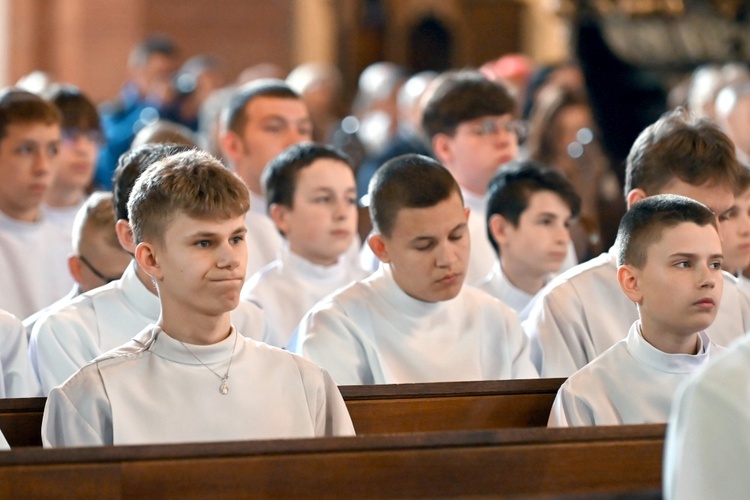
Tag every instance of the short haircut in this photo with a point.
(281, 173)
(131, 165)
(461, 96)
(407, 181)
(234, 117)
(644, 223)
(94, 221)
(77, 110)
(192, 183)
(164, 132)
(20, 107)
(678, 146)
(153, 45)
(511, 189)
(743, 181)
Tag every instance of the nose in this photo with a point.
(230, 255)
(708, 278)
(43, 163)
(446, 255)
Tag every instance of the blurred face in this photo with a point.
(273, 124)
(478, 149)
(681, 283)
(569, 121)
(26, 166)
(76, 160)
(428, 251)
(100, 263)
(200, 265)
(738, 129)
(718, 198)
(736, 233)
(539, 243)
(154, 79)
(321, 224)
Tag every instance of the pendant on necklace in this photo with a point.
(224, 388)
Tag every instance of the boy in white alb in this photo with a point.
(529, 209)
(670, 267)
(582, 312)
(76, 159)
(707, 446)
(33, 251)
(736, 233)
(192, 376)
(473, 128)
(413, 320)
(312, 200)
(108, 316)
(17, 379)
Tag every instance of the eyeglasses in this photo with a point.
(495, 125)
(96, 271)
(71, 135)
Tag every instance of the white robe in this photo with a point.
(483, 256)
(152, 390)
(33, 264)
(632, 382)
(374, 333)
(29, 322)
(103, 319)
(64, 217)
(288, 287)
(583, 312)
(498, 285)
(707, 447)
(18, 379)
(3, 442)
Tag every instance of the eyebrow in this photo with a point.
(687, 255)
(211, 234)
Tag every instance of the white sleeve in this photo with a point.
(327, 408)
(569, 410)
(520, 349)
(18, 378)
(78, 413)
(59, 347)
(327, 338)
(557, 328)
(3, 442)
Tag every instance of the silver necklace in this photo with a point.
(223, 388)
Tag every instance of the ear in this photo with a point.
(635, 196)
(125, 235)
(74, 266)
(378, 246)
(145, 254)
(627, 277)
(441, 145)
(498, 226)
(278, 215)
(231, 145)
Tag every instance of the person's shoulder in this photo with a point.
(596, 372)
(590, 275)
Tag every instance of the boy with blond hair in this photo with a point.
(669, 256)
(312, 200)
(192, 376)
(413, 320)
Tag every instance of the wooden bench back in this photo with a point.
(380, 409)
(602, 461)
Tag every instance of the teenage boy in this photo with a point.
(529, 209)
(736, 234)
(76, 158)
(471, 123)
(669, 257)
(413, 320)
(97, 258)
(192, 376)
(259, 121)
(312, 199)
(582, 312)
(109, 316)
(33, 251)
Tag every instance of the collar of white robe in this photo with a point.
(223, 388)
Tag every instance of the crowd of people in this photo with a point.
(232, 252)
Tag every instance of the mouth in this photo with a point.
(450, 279)
(340, 233)
(705, 303)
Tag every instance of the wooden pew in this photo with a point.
(594, 461)
(380, 409)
